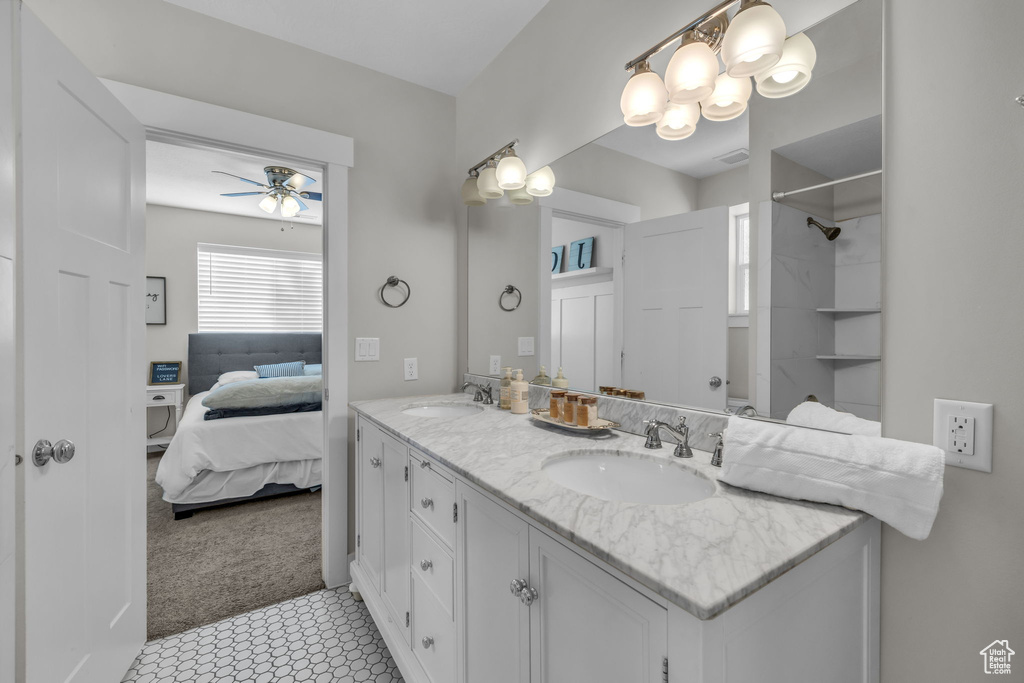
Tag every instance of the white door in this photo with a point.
(587, 626)
(493, 550)
(583, 339)
(395, 590)
(370, 498)
(676, 308)
(82, 354)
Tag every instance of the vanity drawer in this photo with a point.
(424, 462)
(433, 501)
(433, 634)
(432, 563)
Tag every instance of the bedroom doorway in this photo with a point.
(231, 559)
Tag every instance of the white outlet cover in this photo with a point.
(526, 346)
(410, 369)
(495, 366)
(946, 409)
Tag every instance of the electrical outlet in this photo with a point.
(964, 431)
(495, 367)
(412, 370)
(526, 346)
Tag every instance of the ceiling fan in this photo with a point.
(284, 188)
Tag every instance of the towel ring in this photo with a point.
(509, 289)
(393, 281)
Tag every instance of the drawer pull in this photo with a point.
(427, 641)
(159, 398)
(375, 462)
(427, 502)
(426, 564)
(424, 464)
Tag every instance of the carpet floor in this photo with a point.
(223, 562)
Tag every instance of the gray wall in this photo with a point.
(724, 189)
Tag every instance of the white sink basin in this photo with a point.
(442, 410)
(627, 477)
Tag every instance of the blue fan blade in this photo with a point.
(253, 182)
(240, 194)
(315, 196)
(302, 207)
(299, 181)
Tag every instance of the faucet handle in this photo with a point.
(682, 422)
(715, 435)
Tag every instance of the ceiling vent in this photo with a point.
(735, 156)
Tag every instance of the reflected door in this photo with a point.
(676, 308)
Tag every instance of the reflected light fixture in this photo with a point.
(502, 171)
(289, 207)
(752, 44)
(269, 203)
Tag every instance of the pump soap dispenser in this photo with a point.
(560, 382)
(520, 394)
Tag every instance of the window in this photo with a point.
(242, 289)
(739, 263)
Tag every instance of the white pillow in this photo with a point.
(268, 391)
(234, 376)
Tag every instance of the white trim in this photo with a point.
(589, 206)
(739, 321)
(192, 123)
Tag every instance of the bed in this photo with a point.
(210, 463)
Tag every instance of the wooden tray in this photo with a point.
(600, 424)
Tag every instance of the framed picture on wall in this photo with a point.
(165, 372)
(156, 301)
(580, 253)
(556, 258)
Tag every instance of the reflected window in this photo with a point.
(739, 264)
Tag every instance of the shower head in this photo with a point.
(829, 233)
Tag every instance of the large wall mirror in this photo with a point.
(640, 270)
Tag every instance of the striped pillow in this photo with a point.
(294, 369)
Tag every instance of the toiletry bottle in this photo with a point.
(520, 394)
(542, 378)
(557, 399)
(560, 381)
(568, 414)
(505, 393)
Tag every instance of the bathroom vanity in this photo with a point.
(479, 567)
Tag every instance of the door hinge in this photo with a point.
(664, 670)
(407, 473)
(17, 459)
(455, 512)
(407, 620)
(359, 539)
(327, 394)
(359, 434)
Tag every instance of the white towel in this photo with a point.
(898, 482)
(813, 414)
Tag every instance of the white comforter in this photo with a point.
(235, 443)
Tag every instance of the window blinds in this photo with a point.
(242, 289)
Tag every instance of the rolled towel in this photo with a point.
(813, 414)
(899, 482)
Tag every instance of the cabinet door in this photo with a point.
(370, 511)
(395, 590)
(494, 628)
(586, 625)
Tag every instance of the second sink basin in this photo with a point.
(442, 410)
(627, 477)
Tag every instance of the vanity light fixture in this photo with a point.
(752, 44)
(502, 171)
(679, 121)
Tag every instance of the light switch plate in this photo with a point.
(495, 366)
(367, 349)
(526, 346)
(411, 369)
(960, 427)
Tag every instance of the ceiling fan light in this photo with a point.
(511, 172)
(728, 100)
(470, 193)
(289, 207)
(541, 183)
(487, 183)
(679, 121)
(644, 97)
(691, 73)
(754, 40)
(520, 196)
(791, 73)
(268, 203)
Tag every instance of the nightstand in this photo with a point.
(165, 395)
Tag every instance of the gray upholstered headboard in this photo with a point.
(211, 354)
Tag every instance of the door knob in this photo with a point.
(60, 453)
(715, 382)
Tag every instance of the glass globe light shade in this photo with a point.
(269, 203)
(541, 183)
(753, 41)
(470, 193)
(511, 172)
(679, 121)
(487, 183)
(729, 99)
(520, 196)
(289, 207)
(791, 73)
(644, 97)
(691, 73)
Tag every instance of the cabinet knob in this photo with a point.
(528, 596)
(375, 462)
(427, 502)
(424, 464)
(426, 564)
(427, 641)
(516, 587)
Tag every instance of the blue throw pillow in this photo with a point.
(294, 369)
(314, 369)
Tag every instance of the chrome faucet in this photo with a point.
(716, 457)
(745, 411)
(482, 393)
(681, 432)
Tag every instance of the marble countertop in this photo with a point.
(703, 556)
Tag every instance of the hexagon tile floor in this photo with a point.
(323, 637)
